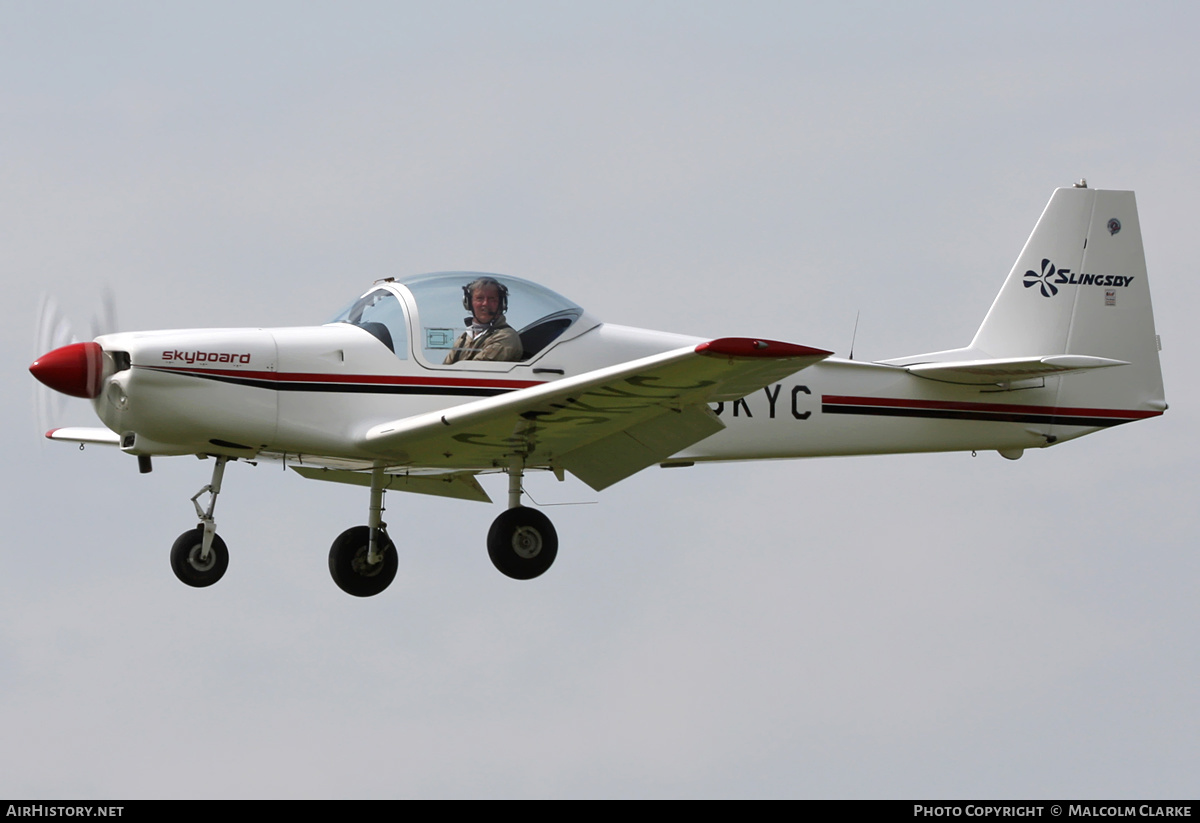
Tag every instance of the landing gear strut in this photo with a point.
(362, 560)
(522, 542)
(199, 557)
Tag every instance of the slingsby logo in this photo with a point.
(1050, 279)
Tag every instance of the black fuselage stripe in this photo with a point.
(1049, 418)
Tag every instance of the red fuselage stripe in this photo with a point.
(357, 379)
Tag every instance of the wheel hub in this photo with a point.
(527, 542)
(200, 563)
(362, 566)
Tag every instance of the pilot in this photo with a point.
(487, 336)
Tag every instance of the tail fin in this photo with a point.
(1079, 288)
(1073, 314)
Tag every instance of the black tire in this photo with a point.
(186, 563)
(348, 563)
(522, 543)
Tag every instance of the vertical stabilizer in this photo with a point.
(1080, 287)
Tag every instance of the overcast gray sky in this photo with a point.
(887, 626)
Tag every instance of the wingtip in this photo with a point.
(757, 347)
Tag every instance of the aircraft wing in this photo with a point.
(83, 434)
(602, 426)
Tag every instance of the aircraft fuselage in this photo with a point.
(313, 390)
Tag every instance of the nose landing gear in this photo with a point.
(199, 557)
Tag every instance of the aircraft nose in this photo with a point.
(76, 369)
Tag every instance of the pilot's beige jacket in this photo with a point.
(500, 342)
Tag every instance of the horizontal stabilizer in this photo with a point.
(460, 485)
(1010, 369)
(83, 434)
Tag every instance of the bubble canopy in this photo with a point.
(436, 309)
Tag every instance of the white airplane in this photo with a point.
(371, 398)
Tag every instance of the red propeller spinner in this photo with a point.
(76, 369)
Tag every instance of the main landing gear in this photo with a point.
(351, 565)
(522, 542)
(362, 560)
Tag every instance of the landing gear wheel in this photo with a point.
(350, 569)
(522, 543)
(190, 568)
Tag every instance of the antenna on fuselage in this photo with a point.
(854, 336)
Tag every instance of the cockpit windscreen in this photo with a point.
(380, 313)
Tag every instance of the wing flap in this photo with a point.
(625, 453)
(1007, 370)
(460, 485)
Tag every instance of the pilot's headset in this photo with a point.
(469, 290)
